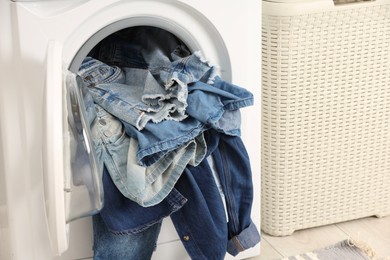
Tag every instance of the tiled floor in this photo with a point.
(374, 231)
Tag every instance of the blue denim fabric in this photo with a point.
(176, 71)
(129, 47)
(218, 105)
(205, 210)
(151, 185)
(156, 140)
(233, 167)
(116, 51)
(157, 50)
(209, 106)
(122, 216)
(147, 186)
(201, 223)
(130, 246)
(141, 98)
(94, 72)
(213, 106)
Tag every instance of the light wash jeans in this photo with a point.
(147, 186)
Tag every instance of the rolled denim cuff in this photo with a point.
(248, 238)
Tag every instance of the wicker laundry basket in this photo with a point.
(325, 112)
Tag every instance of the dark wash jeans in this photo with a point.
(201, 222)
(125, 230)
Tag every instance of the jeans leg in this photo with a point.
(129, 246)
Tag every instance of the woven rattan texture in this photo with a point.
(325, 118)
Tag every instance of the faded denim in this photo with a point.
(141, 98)
(147, 186)
(218, 105)
(130, 246)
(123, 216)
(125, 230)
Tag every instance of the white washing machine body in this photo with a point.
(40, 42)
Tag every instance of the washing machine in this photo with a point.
(42, 216)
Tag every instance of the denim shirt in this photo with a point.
(205, 209)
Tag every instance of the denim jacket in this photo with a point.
(205, 208)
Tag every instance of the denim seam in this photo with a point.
(108, 142)
(217, 116)
(113, 76)
(184, 71)
(118, 97)
(157, 197)
(117, 178)
(135, 230)
(152, 176)
(168, 145)
(228, 193)
(169, 185)
(237, 243)
(237, 104)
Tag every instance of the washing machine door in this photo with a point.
(72, 178)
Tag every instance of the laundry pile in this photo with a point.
(166, 132)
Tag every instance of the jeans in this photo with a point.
(158, 83)
(147, 186)
(130, 246)
(125, 230)
(204, 209)
(123, 216)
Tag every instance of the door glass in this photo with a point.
(83, 187)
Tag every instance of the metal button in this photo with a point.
(102, 122)
(186, 238)
(107, 133)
